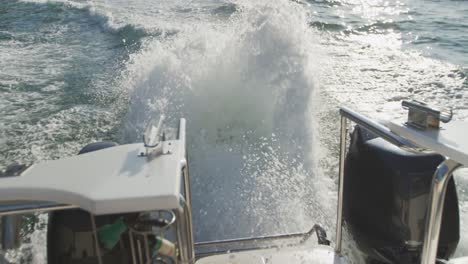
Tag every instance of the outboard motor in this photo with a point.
(386, 193)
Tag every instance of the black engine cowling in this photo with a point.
(386, 193)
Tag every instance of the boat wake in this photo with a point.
(247, 90)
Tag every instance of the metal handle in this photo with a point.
(374, 127)
(435, 209)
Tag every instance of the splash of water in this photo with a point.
(247, 90)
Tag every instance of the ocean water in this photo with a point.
(259, 82)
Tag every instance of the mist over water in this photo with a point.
(259, 83)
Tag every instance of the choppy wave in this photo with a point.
(380, 27)
(58, 62)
